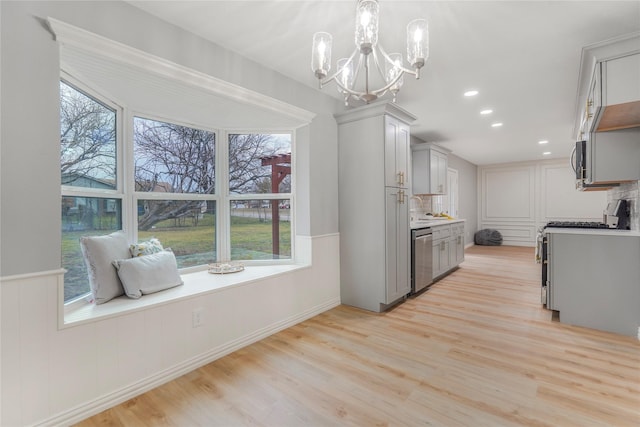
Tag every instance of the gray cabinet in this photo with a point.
(613, 156)
(613, 100)
(457, 243)
(374, 205)
(448, 247)
(594, 279)
(396, 153)
(429, 169)
(608, 113)
(608, 87)
(441, 251)
(397, 246)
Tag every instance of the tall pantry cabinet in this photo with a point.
(374, 193)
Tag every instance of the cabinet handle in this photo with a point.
(401, 196)
(400, 178)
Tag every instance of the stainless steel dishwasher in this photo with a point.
(421, 259)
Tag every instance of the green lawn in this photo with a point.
(192, 244)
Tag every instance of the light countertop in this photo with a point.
(593, 231)
(425, 223)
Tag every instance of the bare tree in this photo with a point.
(246, 173)
(175, 159)
(87, 138)
(168, 158)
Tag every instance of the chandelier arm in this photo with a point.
(415, 73)
(356, 72)
(377, 62)
(383, 89)
(334, 76)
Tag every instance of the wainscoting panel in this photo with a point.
(57, 376)
(561, 201)
(508, 194)
(518, 198)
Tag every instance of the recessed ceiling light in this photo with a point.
(485, 112)
(471, 93)
(546, 153)
(544, 141)
(496, 125)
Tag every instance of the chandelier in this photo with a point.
(390, 68)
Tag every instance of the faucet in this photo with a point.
(419, 201)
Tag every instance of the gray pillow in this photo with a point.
(148, 273)
(98, 253)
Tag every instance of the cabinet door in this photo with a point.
(436, 258)
(441, 256)
(397, 244)
(453, 251)
(460, 246)
(396, 153)
(593, 102)
(438, 172)
(613, 156)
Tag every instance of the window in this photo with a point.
(260, 196)
(90, 204)
(176, 165)
(208, 202)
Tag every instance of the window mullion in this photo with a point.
(223, 219)
(129, 211)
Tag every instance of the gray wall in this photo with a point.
(468, 188)
(29, 152)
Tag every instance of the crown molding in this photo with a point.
(70, 35)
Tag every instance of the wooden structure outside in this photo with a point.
(280, 168)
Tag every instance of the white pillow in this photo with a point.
(148, 273)
(98, 252)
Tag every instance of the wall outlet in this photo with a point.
(197, 317)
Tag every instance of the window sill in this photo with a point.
(195, 284)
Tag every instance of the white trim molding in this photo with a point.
(100, 404)
(79, 38)
(61, 376)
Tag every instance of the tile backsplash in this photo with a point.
(629, 191)
(426, 203)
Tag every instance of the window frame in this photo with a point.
(103, 193)
(135, 196)
(228, 197)
(125, 180)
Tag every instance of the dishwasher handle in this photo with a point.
(420, 232)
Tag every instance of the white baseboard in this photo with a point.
(112, 399)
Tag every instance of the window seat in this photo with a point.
(195, 283)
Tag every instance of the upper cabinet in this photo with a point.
(609, 87)
(608, 114)
(396, 153)
(429, 169)
(613, 101)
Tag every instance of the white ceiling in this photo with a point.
(522, 56)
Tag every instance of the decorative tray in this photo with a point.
(225, 267)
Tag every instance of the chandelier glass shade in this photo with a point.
(368, 55)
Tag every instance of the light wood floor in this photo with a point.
(476, 349)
